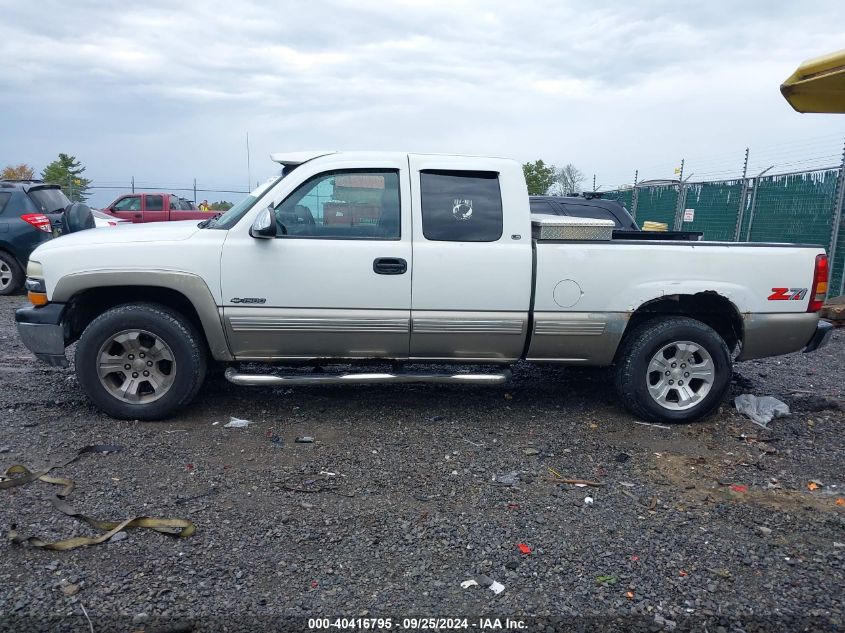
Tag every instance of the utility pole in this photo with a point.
(679, 209)
(195, 189)
(248, 172)
(70, 187)
(835, 224)
(741, 210)
(594, 182)
(133, 184)
(634, 195)
(754, 201)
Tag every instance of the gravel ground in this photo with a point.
(431, 486)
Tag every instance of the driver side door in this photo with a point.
(336, 280)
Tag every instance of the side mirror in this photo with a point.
(264, 226)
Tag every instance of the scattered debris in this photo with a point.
(524, 548)
(629, 595)
(657, 426)
(476, 444)
(508, 479)
(626, 484)
(531, 451)
(497, 587)
(765, 531)
(466, 584)
(588, 501)
(682, 573)
(761, 411)
(580, 483)
(277, 440)
(304, 439)
(5, 449)
(70, 589)
(236, 423)
(120, 536)
(606, 580)
(840, 501)
(739, 488)
(814, 485)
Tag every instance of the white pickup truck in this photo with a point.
(354, 257)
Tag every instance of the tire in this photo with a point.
(648, 353)
(11, 274)
(163, 351)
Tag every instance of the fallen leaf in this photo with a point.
(629, 595)
(524, 548)
(813, 486)
(682, 573)
(840, 501)
(635, 558)
(739, 488)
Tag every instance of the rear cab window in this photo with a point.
(461, 206)
(49, 200)
(543, 207)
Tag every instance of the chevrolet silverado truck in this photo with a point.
(400, 260)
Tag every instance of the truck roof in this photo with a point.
(297, 158)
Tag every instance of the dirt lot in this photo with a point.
(431, 486)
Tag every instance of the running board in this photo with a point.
(269, 380)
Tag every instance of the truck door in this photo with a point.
(128, 208)
(154, 208)
(336, 281)
(472, 259)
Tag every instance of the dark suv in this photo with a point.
(30, 213)
(588, 206)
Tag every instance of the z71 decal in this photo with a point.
(787, 294)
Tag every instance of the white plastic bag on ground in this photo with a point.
(236, 423)
(761, 410)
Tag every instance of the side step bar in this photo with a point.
(268, 380)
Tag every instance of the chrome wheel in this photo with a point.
(136, 366)
(6, 275)
(680, 375)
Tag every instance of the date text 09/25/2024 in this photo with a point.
(423, 623)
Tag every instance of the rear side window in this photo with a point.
(4, 198)
(155, 203)
(590, 211)
(461, 206)
(174, 203)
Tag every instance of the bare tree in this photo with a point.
(570, 179)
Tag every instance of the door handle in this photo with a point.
(390, 266)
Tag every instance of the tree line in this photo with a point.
(547, 179)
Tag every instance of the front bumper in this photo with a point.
(43, 332)
(821, 336)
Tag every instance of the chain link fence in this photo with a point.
(801, 207)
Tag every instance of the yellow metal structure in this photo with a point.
(818, 85)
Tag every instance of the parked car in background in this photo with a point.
(584, 207)
(153, 207)
(105, 220)
(29, 211)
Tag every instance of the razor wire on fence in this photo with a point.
(802, 207)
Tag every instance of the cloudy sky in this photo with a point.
(167, 91)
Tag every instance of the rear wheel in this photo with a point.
(140, 361)
(673, 369)
(11, 275)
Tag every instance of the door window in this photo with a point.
(347, 204)
(155, 203)
(129, 203)
(461, 206)
(543, 207)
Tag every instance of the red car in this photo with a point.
(153, 207)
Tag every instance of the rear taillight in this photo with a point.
(39, 221)
(818, 292)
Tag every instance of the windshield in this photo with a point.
(49, 200)
(233, 215)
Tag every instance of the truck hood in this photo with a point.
(123, 234)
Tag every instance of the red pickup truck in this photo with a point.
(153, 207)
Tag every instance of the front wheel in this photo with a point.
(140, 361)
(673, 369)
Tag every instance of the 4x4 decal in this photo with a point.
(787, 294)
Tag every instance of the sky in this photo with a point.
(167, 92)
